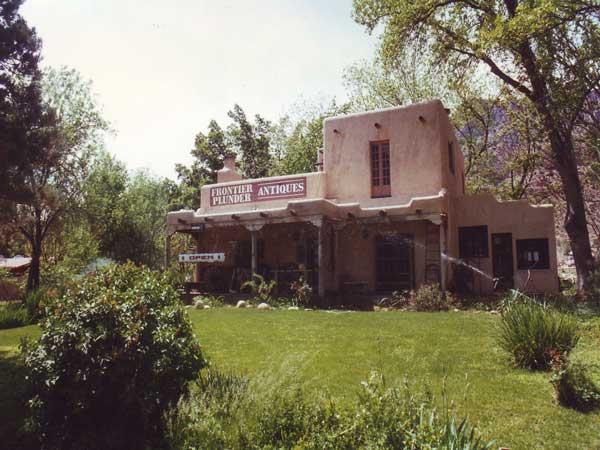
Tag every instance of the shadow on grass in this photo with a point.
(13, 404)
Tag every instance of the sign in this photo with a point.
(257, 191)
(201, 257)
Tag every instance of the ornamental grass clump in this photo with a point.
(13, 316)
(115, 353)
(535, 334)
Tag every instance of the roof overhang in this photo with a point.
(420, 208)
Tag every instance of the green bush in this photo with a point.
(114, 354)
(429, 297)
(13, 316)
(35, 303)
(574, 388)
(214, 301)
(230, 413)
(535, 335)
(261, 288)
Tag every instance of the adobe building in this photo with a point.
(385, 210)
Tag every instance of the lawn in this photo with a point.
(333, 351)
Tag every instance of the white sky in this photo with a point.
(162, 69)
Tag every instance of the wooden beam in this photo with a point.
(254, 262)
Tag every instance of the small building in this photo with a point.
(384, 210)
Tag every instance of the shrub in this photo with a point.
(301, 292)
(13, 316)
(255, 418)
(113, 355)
(574, 388)
(535, 334)
(35, 303)
(261, 288)
(429, 297)
(206, 419)
(200, 301)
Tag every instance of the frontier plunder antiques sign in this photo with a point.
(258, 191)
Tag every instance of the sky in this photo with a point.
(162, 70)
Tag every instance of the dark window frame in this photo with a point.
(473, 242)
(526, 249)
(380, 167)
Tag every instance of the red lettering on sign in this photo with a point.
(257, 191)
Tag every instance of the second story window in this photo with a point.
(380, 169)
(451, 156)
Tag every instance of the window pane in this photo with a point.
(473, 242)
(374, 164)
(385, 160)
(533, 254)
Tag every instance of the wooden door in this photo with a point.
(394, 262)
(502, 260)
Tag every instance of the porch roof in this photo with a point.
(307, 210)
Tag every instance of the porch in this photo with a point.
(340, 253)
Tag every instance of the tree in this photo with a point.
(252, 142)
(209, 152)
(55, 179)
(21, 109)
(302, 138)
(547, 51)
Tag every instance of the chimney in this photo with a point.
(229, 171)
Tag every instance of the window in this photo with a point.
(451, 157)
(532, 254)
(393, 262)
(380, 169)
(473, 242)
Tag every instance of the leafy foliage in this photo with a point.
(114, 354)
(534, 335)
(260, 287)
(13, 316)
(226, 411)
(22, 112)
(301, 291)
(429, 297)
(573, 386)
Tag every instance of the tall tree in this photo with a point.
(209, 152)
(302, 137)
(55, 179)
(22, 114)
(252, 142)
(549, 51)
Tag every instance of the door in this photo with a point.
(393, 262)
(502, 260)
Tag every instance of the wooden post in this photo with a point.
(197, 265)
(254, 252)
(319, 222)
(443, 273)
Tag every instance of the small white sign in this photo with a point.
(201, 257)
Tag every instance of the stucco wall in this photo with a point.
(415, 163)
(517, 217)
(356, 254)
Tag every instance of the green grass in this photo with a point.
(334, 351)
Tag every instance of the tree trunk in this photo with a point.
(35, 240)
(33, 279)
(575, 221)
